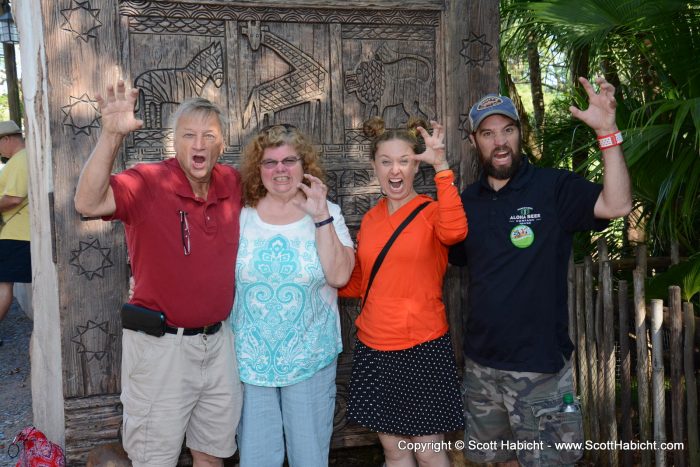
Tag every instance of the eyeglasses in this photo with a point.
(287, 127)
(185, 232)
(270, 164)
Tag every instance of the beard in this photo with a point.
(501, 172)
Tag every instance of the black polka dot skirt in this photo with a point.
(411, 392)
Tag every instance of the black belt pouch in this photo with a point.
(142, 319)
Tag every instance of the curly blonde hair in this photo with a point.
(272, 137)
(375, 129)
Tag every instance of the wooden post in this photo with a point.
(591, 350)
(625, 376)
(600, 345)
(608, 362)
(463, 22)
(693, 445)
(582, 355)
(676, 354)
(675, 255)
(657, 384)
(642, 363)
(45, 346)
(642, 259)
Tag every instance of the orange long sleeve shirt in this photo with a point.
(404, 307)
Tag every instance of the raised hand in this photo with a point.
(600, 114)
(315, 204)
(434, 153)
(117, 110)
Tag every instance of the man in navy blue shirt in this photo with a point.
(521, 222)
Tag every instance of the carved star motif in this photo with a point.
(91, 259)
(92, 333)
(81, 20)
(82, 114)
(475, 50)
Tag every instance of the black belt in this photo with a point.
(208, 330)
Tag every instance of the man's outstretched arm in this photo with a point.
(616, 198)
(94, 196)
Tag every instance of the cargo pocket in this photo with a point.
(561, 433)
(135, 423)
(142, 353)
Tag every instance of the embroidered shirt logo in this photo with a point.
(525, 215)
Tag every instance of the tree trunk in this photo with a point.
(529, 138)
(579, 67)
(533, 61)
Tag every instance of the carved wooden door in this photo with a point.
(324, 66)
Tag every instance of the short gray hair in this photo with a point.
(198, 106)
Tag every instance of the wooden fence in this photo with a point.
(628, 379)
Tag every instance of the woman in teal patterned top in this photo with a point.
(295, 251)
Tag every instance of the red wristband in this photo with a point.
(608, 141)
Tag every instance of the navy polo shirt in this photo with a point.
(517, 250)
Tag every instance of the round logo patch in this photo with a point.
(522, 236)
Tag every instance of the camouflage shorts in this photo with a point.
(512, 414)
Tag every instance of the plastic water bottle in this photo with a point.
(568, 404)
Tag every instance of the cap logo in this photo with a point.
(488, 102)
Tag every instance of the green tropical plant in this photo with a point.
(648, 49)
(685, 274)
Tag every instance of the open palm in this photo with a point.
(117, 110)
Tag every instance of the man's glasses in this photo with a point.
(185, 232)
(270, 164)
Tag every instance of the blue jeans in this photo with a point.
(299, 416)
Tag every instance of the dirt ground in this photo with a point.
(15, 385)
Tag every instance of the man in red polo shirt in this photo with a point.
(181, 222)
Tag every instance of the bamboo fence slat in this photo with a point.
(676, 354)
(657, 384)
(642, 259)
(625, 372)
(600, 345)
(591, 350)
(582, 355)
(608, 362)
(693, 446)
(642, 363)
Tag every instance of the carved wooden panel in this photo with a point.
(323, 65)
(325, 71)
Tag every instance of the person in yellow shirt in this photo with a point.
(15, 259)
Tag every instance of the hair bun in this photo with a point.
(373, 127)
(413, 124)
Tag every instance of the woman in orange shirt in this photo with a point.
(404, 382)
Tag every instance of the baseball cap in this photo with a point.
(8, 127)
(491, 104)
